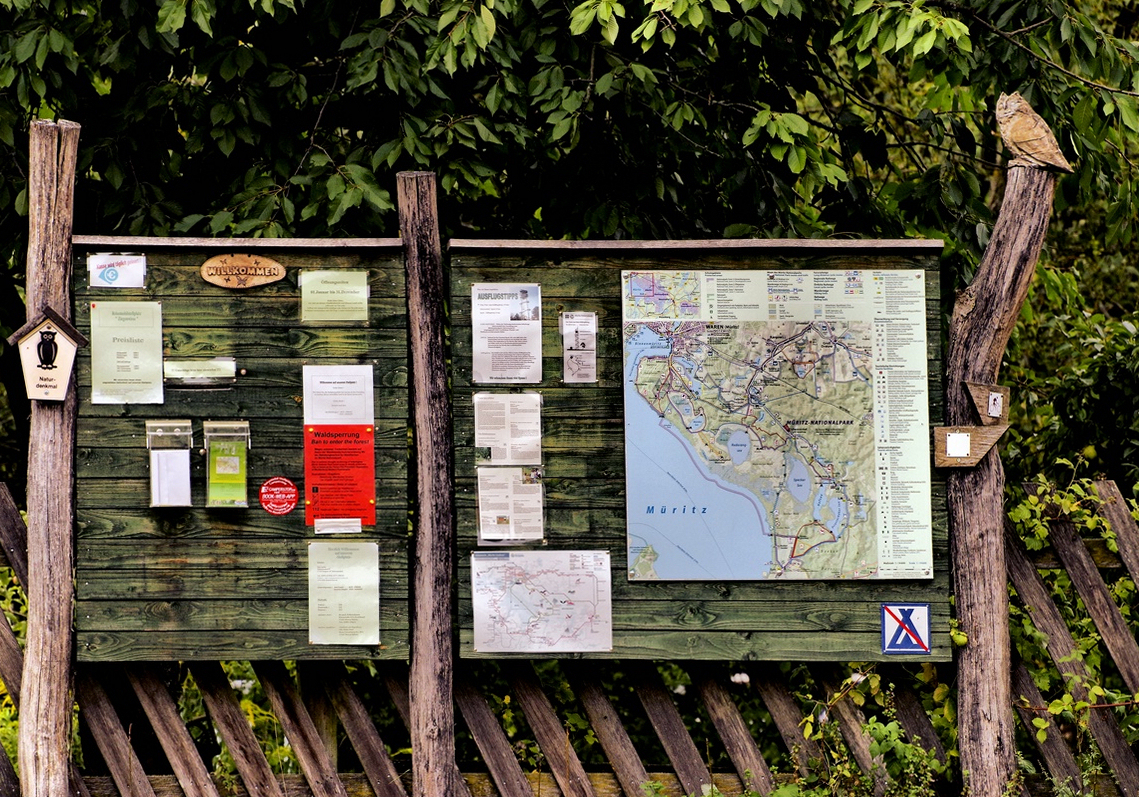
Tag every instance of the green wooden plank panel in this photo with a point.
(276, 373)
(171, 523)
(784, 645)
(391, 496)
(183, 583)
(211, 615)
(133, 463)
(237, 314)
(214, 646)
(220, 582)
(130, 431)
(584, 474)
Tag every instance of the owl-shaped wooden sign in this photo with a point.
(47, 354)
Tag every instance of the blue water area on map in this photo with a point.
(798, 479)
(832, 501)
(701, 527)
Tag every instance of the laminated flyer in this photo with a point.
(126, 353)
(542, 601)
(510, 505)
(506, 323)
(508, 428)
(343, 593)
(579, 346)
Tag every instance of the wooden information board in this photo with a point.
(232, 583)
(584, 465)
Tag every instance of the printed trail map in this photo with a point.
(759, 442)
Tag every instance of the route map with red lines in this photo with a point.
(755, 407)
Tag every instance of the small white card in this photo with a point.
(957, 444)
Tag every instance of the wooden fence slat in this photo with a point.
(910, 712)
(361, 731)
(9, 781)
(669, 726)
(114, 744)
(551, 736)
(396, 677)
(787, 716)
(1114, 508)
(13, 535)
(850, 721)
(912, 717)
(1054, 750)
(235, 731)
(315, 762)
(167, 723)
(627, 764)
(491, 740)
(1062, 648)
(311, 678)
(1100, 605)
(734, 733)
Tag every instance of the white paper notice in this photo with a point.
(338, 394)
(510, 505)
(343, 593)
(126, 353)
(542, 601)
(116, 271)
(579, 346)
(170, 477)
(508, 428)
(506, 324)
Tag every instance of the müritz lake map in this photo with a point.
(776, 424)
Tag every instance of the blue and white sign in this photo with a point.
(116, 271)
(905, 629)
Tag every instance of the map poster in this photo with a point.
(506, 323)
(776, 425)
(542, 601)
(340, 476)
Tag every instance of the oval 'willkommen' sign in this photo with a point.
(241, 271)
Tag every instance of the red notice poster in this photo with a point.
(340, 473)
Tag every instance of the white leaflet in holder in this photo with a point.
(169, 443)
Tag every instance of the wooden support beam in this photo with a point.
(113, 741)
(434, 772)
(787, 716)
(45, 716)
(983, 319)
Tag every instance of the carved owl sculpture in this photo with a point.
(1028, 136)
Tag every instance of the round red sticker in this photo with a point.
(279, 496)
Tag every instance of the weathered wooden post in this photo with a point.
(983, 319)
(45, 707)
(434, 771)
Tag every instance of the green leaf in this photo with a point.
(925, 43)
(796, 160)
(171, 16)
